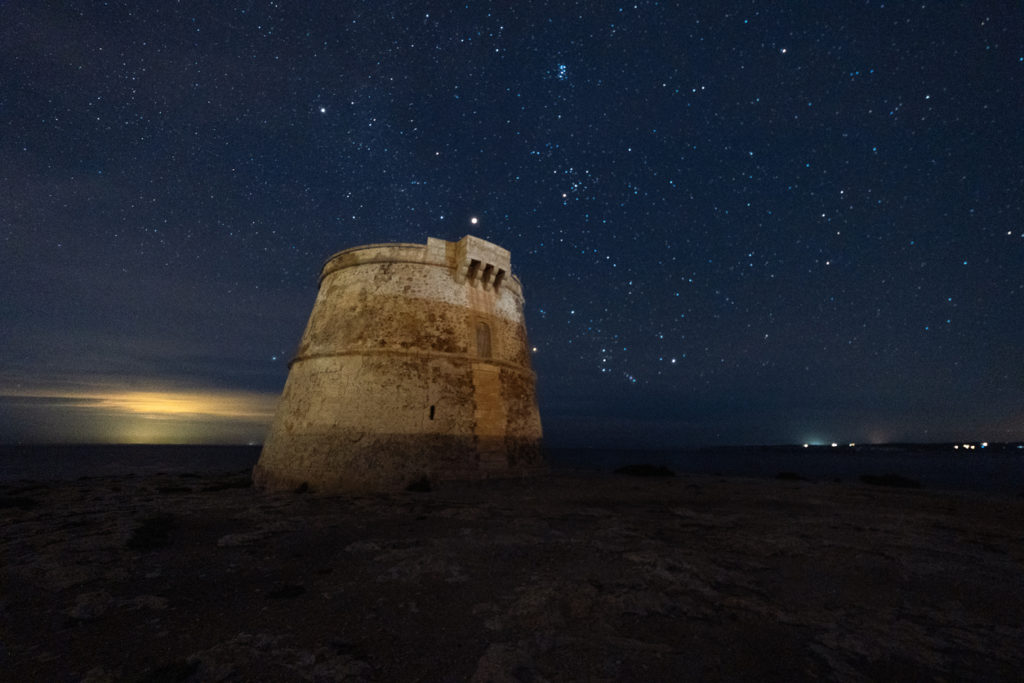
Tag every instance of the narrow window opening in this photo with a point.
(431, 412)
(483, 340)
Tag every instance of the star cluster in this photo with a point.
(735, 222)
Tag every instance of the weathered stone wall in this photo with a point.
(414, 364)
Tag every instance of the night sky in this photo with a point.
(735, 222)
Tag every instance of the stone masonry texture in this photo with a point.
(414, 364)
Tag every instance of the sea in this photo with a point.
(995, 468)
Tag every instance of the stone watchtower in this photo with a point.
(414, 364)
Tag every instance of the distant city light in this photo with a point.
(834, 444)
(852, 444)
(806, 445)
(984, 444)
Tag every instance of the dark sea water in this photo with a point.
(999, 468)
(64, 462)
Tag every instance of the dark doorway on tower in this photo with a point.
(483, 340)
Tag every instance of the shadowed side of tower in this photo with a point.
(414, 363)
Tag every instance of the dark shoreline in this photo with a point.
(200, 577)
(996, 469)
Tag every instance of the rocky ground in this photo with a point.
(568, 577)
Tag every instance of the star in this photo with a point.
(681, 235)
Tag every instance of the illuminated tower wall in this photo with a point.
(414, 363)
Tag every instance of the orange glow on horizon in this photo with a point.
(108, 413)
(163, 404)
(159, 404)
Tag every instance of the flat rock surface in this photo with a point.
(567, 577)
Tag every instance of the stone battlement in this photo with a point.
(414, 364)
(472, 260)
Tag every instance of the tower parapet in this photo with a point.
(414, 363)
